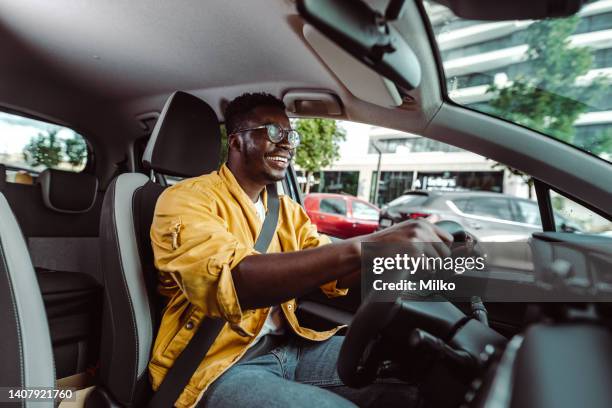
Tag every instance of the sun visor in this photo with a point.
(359, 79)
(305, 102)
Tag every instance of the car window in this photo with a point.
(363, 211)
(382, 167)
(490, 207)
(29, 146)
(333, 206)
(550, 75)
(528, 212)
(573, 217)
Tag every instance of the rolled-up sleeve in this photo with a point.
(193, 244)
(309, 237)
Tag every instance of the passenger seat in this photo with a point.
(185, 143)
(27, 358)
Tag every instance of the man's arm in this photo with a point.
(270, 279)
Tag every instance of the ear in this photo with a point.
(234, 142)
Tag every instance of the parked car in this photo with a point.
(341, 215)
(489, 216)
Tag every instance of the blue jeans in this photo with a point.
(301, 373)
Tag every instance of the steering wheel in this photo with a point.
(358, 361)
(455, 229)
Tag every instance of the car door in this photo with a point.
(492, 219)
(364, 217)
(332, 218)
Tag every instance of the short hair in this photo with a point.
(237, 110)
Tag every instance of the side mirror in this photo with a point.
(568, 228)
(366, 35)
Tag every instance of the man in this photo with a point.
(203, 235)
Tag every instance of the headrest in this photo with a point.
(68, 192)
(186, 139)
(2, 176)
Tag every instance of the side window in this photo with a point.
(362, 211)
(573, 217)
(491, 207)
(29, 146)
(528, 212)
(407, 176)
(333, 206)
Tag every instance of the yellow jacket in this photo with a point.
(202, 228)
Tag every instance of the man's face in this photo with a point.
(265, 161)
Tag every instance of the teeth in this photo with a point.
(278, 159)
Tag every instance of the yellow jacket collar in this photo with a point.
(236, 189)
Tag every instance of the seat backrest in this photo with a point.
(27, 357)
(2, 177)
(186, 143)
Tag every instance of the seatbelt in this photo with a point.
(188, 361)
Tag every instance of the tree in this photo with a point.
(224, 145)
(319, 146)
(44, 149)
(76, 150)
(548, 97)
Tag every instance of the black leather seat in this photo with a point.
(2, 177)
(27, 357)
(185, 142)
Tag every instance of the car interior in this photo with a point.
(145, 83)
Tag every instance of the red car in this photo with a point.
(341, 215)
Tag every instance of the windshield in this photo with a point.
(552, 75)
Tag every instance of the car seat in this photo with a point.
(185, 143)
(27, 357)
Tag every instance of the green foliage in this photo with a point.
(548, 99)
(319, 146)
(598, 142)
(319, 143)
(224, 146)
(76, 150)
(45, 149)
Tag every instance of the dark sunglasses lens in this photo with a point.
(274, 133)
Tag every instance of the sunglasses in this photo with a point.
(276, 134)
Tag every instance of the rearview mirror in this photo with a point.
(366, 35)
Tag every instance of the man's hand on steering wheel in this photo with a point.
(421, 237)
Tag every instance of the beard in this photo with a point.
(259, 168)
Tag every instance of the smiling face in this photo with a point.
(259, 159)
